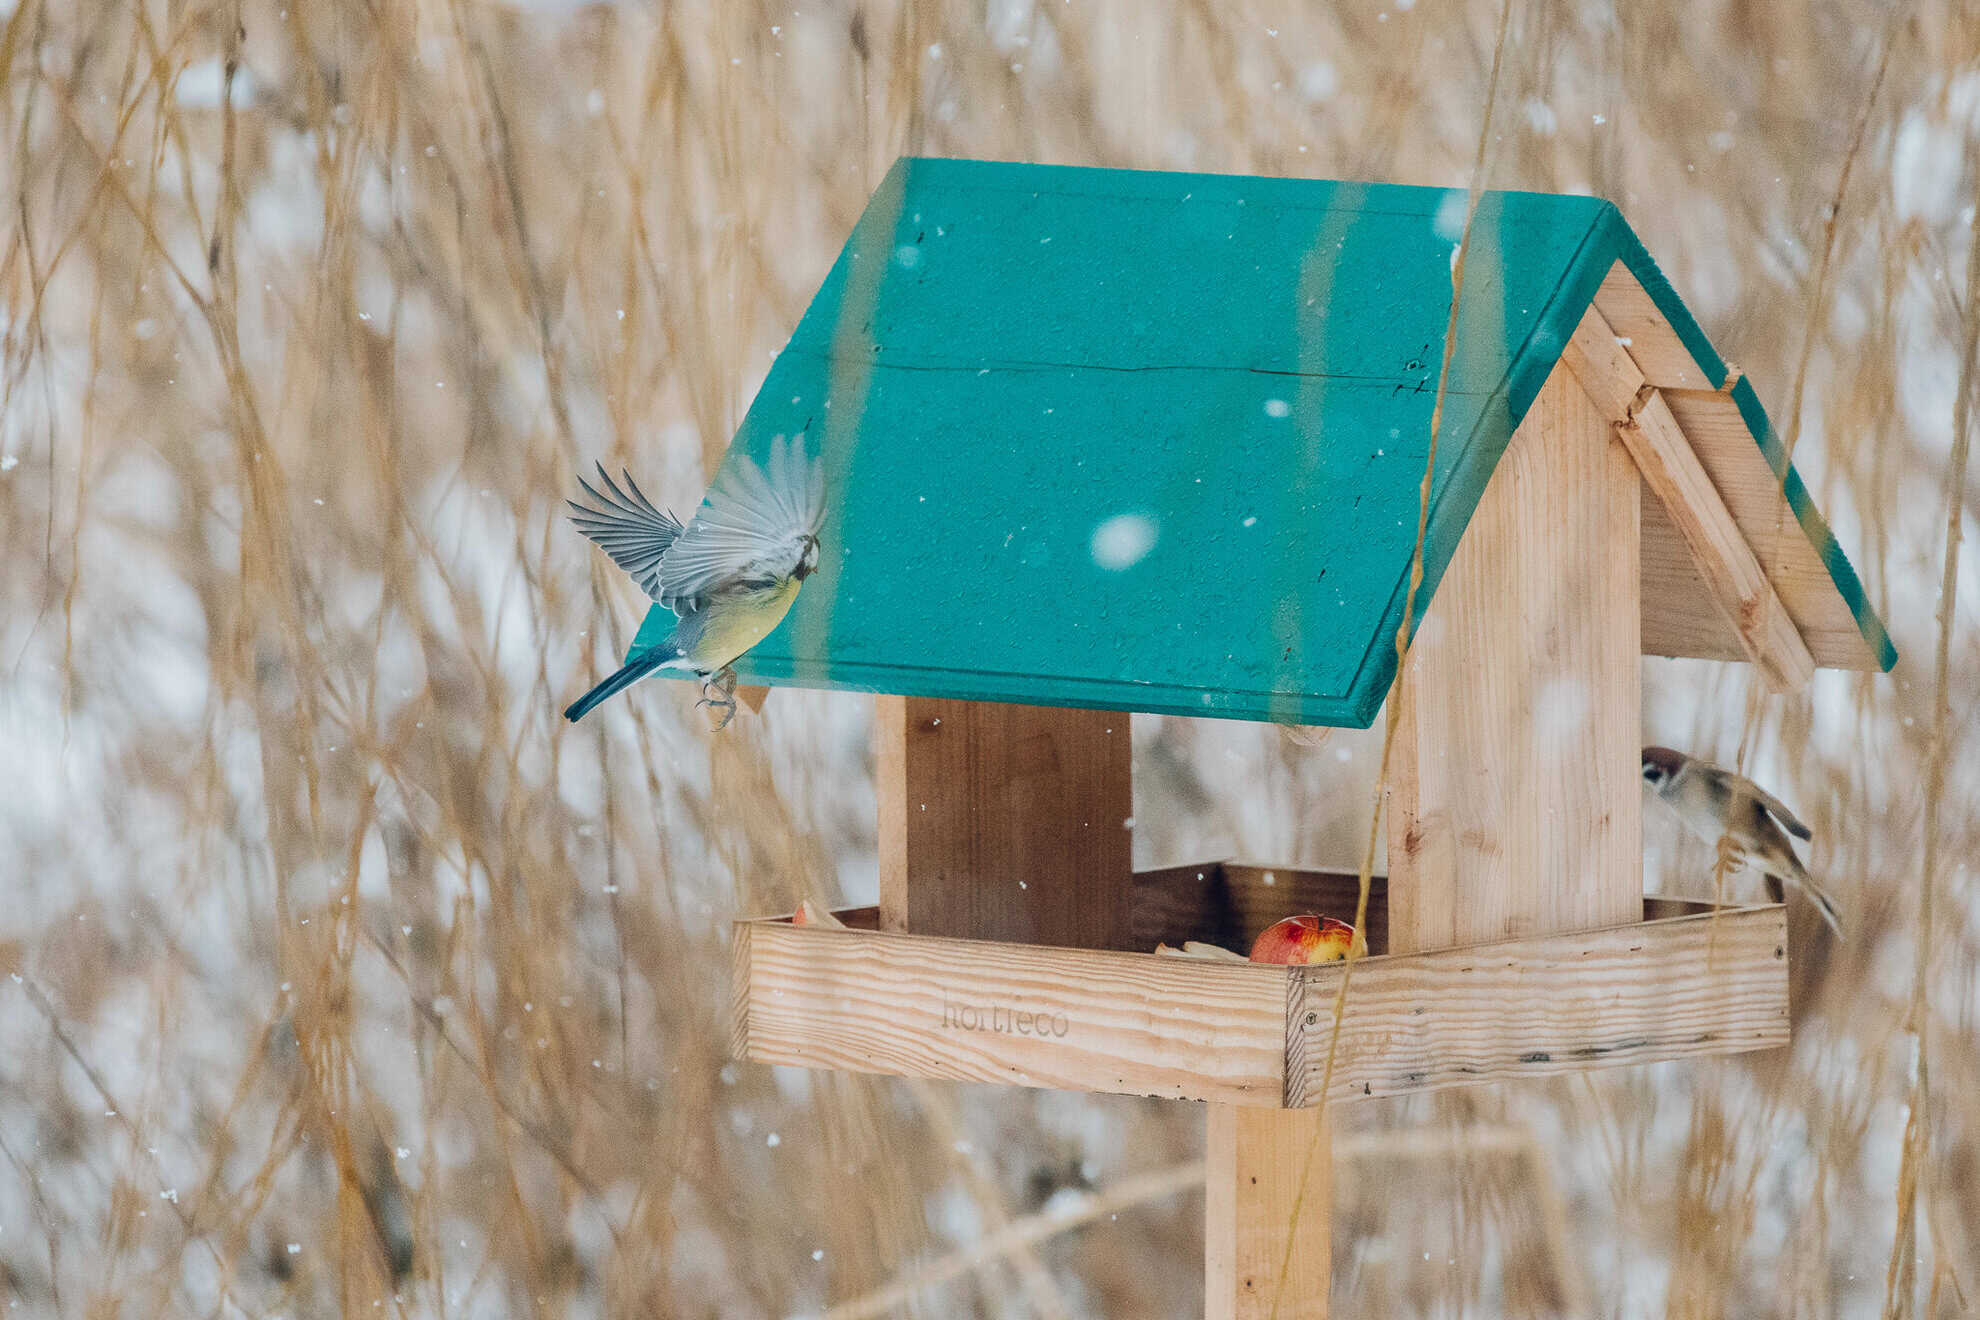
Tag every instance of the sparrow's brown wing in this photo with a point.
(1781, 813)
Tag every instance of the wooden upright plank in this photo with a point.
(1732, 576)
(1514, 798)
(1254, 1204)
(1003, 822)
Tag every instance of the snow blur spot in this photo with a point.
(1277, 408)
(1449, 221)
(1562, 709)
(1540, 117)
(1064, 1201)
(1963, 102)
(1318, 81)
(200, 86)
(908, 255)
(1925, 169)
(1124, 540)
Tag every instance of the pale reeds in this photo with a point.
(349, 974)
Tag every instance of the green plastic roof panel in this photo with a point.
(1152, 441)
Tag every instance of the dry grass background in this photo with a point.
(346, 978)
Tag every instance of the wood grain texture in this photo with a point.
(925, 1006)
(1679, 616)
(1004, 822)
(1708, 981)
(1514, 794)
(1604, 367)
(1252, 1201)
(1652, 343)
(1732, 577)
(1706, 984)
(1752, 494)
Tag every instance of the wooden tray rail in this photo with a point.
(1690, 979)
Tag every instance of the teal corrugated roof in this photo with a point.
(1152, 441)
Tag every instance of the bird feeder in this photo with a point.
(1103, 441)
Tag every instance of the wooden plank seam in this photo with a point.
(1296, 1037)
(1671, 468)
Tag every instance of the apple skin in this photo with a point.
(1306, 939)
(811, 914)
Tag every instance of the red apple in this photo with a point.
(1307, 939)
(811, 914)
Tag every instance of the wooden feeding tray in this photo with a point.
(1690, 979)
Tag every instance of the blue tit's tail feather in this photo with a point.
(618, 682)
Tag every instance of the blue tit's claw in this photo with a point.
(725, 702)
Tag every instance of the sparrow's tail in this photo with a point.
(617, 683)
(1816, 895)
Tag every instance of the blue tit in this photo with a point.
(730, 574)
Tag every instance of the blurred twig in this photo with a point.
(1021, 1234)
(1900, 1280)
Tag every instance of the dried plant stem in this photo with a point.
(1475, 188)
(1021, 1234)
(1899, 1281)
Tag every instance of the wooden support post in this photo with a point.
(1003, 822)
(1254, 1208)
(1514, 785)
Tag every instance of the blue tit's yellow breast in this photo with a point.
(737, 620)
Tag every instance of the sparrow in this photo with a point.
(1714, 803)
(730, 574)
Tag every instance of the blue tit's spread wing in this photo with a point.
(628, 528)
(753, 525)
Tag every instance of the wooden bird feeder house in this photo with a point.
(1104, 441)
